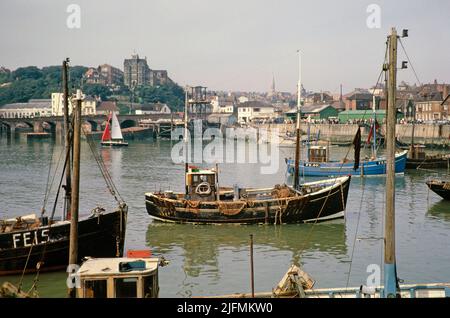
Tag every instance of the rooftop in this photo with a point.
(110, 266)
(32, 103)
(255, 104)
(108, 105)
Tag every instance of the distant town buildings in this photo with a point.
(151, 108)
(88, 105)
(105, 75)
(359, 99)
(33, 108)
(255, 110)
(107, 107)
(223, 104)
(137, 73)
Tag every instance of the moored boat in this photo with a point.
(28, 242)
(419, 159)
(322, 167)
(126, 277)
(207, 203)
(440, 187)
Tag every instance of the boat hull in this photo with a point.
(98, 236)
(438, 163)
(441, 188)
(114, 144)
(323, 205)
(332, 169)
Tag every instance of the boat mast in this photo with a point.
(412, 147)
(67, 134)
(390, 271)
(297, 141)
(186, 166)
(374, 146)
(73, 248)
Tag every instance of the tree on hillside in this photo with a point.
(29, 72)
(170, 94)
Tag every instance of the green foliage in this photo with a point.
(97, 90)
(29, 72)
(32, 82)
(5, 77)
(170, 94)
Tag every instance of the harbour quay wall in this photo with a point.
(423, 133)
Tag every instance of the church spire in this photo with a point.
(272, 87)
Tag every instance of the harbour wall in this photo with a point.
(343, 133)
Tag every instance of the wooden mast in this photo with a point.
(186, 131)
(297, 141)
(390, 272)
(67, 133)
(73, 248)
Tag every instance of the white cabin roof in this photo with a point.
(110, 266)
(317, 147)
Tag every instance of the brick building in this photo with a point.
(137, 72)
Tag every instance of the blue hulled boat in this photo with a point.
(320, 166)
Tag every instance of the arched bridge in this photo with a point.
(96, 122)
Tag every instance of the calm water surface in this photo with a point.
(214, 260)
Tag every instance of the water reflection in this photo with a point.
(440, 210)
(202, 245)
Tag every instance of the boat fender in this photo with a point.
(203, 189)
(193, 204)
(366, 290)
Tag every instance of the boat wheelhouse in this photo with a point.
(119, 278)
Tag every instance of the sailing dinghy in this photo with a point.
(112, 137)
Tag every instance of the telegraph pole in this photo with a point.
(390, 271)
(297, 141)
(73, 249)
(67, 130)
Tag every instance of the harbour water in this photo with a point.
(214, 260)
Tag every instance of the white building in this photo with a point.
(34, 108)
(152, 108)
(243, 99)
(222, 104)
(88, 105)
(255, 110)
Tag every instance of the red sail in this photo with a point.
(107, 133)
(377, 126)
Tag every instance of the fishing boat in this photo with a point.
(419, 159)
(32, 243)
(29, 243)
(112, 137)
(126, 277)
(320, 165)
(205, 202)
(439, 186)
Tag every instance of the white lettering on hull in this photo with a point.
(30, 238)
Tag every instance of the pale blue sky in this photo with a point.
(232, 44)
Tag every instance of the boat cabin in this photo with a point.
(417, 152)
(119, 278)
(318, 153)
(201, 184)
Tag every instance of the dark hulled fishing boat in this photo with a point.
(209, 204)
(440, 187)
(27, 242)
(419, 159)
